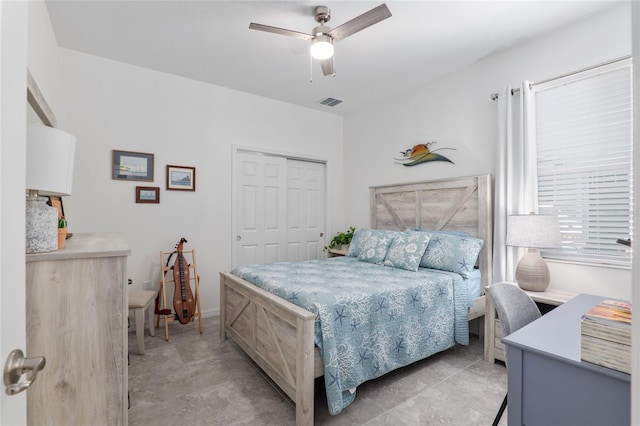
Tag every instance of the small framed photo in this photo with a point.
(126, 165)
(57, 203)
(147, 194)
(181, 178)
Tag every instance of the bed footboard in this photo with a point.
(276, 334)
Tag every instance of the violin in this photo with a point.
(183, 301)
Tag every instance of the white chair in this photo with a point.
(139, 301)
(515, 310)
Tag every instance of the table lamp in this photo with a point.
(533, 231)
(50, 156)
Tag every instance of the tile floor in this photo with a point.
(196, 380)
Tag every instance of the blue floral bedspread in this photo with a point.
(371, 319)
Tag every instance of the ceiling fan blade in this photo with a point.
(282, 31)
(328, 67)
(361, 22)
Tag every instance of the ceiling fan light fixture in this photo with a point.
(322, 47)
(322, 37)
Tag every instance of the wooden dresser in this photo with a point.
(77, 319)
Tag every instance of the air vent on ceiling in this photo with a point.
(329, 102)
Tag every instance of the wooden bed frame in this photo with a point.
(279, 336)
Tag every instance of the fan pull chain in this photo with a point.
(310, 68)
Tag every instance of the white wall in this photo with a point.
(42, 53)
(111, 105)
(13, 106)
(456, 111)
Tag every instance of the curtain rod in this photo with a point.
(494, 96)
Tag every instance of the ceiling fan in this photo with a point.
(323, 38)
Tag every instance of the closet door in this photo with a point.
(279, 209)
(261, 214)
(305, 210)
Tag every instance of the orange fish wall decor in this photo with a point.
(421, 154)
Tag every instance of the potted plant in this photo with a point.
(62, 232)
(341, 240)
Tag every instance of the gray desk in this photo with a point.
(549, 385)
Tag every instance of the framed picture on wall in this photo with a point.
(57, 203)
(181, 178)
(148, 194)
(127, 165)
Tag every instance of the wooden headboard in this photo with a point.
(460, 204)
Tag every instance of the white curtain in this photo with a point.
(516, 172)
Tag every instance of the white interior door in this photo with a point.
(261, 213)
(305, 210)
(279, 209)
(13, 130)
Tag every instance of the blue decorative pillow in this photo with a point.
(452, 253)
(355, 247)
(371, 245)
(407, 249)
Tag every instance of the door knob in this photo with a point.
(16, 366)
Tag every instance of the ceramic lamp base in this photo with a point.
(41, 226)
(532, 273)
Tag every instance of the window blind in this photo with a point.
(584, 129)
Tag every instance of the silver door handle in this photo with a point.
(16, 366)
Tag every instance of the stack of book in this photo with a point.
(606, 335)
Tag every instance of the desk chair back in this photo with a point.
(515, 309)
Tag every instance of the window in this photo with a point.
(584, 139)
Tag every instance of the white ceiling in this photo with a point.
(210, 41)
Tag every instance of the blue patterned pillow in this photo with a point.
(371, 245)
(355, 247)
(407, 249)
(452, 253)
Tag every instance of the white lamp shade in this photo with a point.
(322, 47)
(50, 157)
(533, 231)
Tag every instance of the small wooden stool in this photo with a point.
(139, 301)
